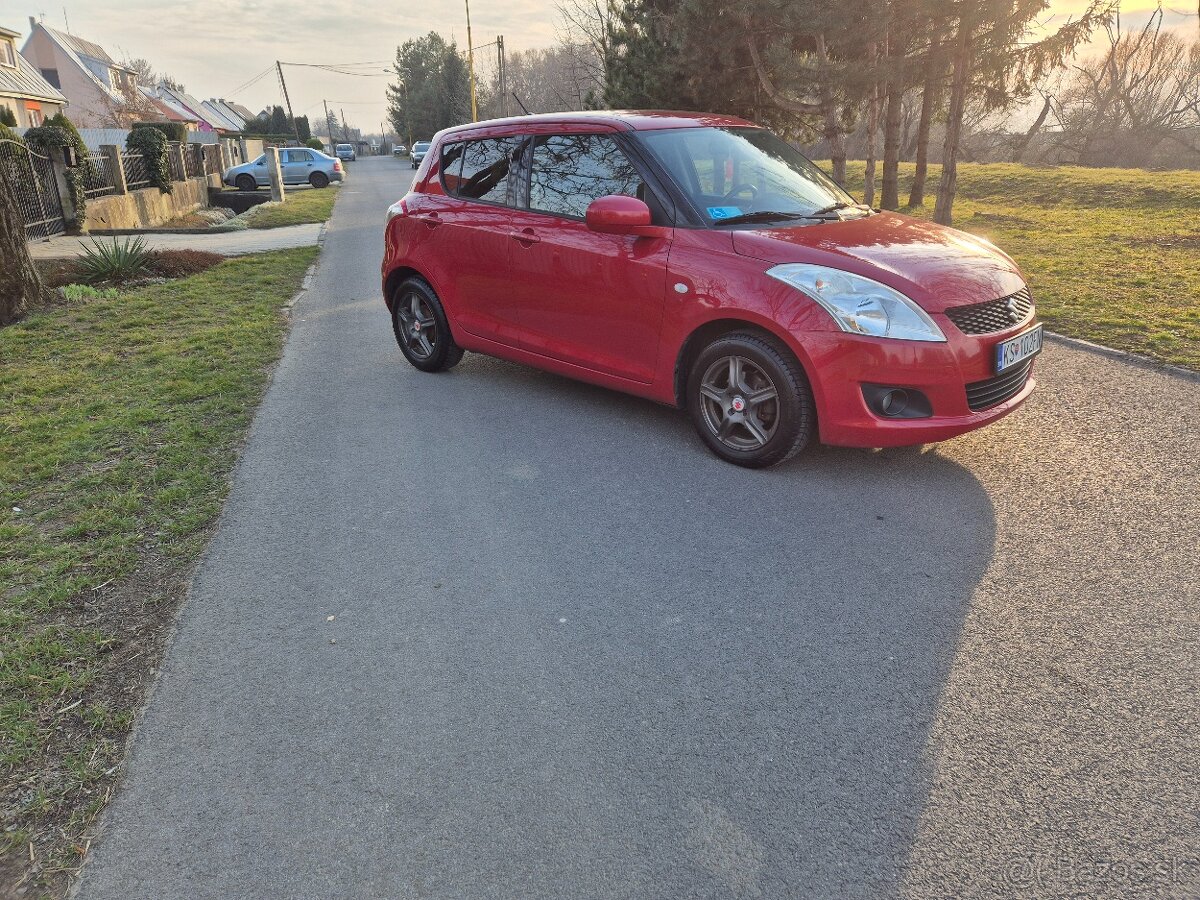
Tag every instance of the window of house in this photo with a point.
(8, 55)
(479, 170)
(51, 75)
(35, 118)
(569, 171)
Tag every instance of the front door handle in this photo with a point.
(526, 236)
(430, 219)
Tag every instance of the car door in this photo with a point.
(589, 299)
(297, 166)
(467, 233)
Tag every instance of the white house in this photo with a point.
(23, 91)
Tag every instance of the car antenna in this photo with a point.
(519, 103)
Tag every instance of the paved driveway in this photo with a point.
(573, 655)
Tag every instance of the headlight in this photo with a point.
(860, 305)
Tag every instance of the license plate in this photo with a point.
(1019, 349)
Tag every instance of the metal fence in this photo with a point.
(34, 190)
(136, 175)
(212, 159)
(193, 160)
(98, 176)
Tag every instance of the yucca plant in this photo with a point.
(114, 261)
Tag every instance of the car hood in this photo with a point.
(938, 267)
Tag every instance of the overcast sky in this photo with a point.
(216, 47)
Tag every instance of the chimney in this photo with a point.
(32, 23)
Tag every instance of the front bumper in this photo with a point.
(840, 364)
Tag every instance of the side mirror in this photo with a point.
(615, 214)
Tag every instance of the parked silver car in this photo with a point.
(420, 148)
(399, 150)
(346, 152)
(299, 165)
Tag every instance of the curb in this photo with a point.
(1133, 359)
(310, 273)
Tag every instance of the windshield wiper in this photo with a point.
(761, 216)
(834, 207)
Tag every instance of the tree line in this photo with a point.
(884, 80)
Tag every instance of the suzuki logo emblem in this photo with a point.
(1013, 310)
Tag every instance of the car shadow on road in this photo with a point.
(734, 675)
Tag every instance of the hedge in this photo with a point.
(152, 144)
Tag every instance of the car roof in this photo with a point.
(626, 119)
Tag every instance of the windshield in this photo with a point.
(731, 173)
(421, 146)
(344, 147)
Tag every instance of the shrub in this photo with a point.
(114, 261)
(173, 131)
(315, 144)
(74, 176)
(8, 117)
(181, 263)
(152, 144)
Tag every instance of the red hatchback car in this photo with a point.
(699, 260)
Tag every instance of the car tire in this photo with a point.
(246, 183)
(750, 401)
(422, 329)
(318, 179)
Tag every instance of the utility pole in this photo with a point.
(287, 100)
(345, 130)
(328, 127)
(503, 76)
(471, 64)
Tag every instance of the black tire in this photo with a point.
(246, 182)
(421, 328)
(740, 429)
(318, 179)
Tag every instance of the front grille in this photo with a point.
(994, 315)
(984, 394)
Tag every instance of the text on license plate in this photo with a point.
(1020, 348)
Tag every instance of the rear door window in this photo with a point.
(569, 171)
(480, 170)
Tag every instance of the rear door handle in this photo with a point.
(526, 236)
(430, 219)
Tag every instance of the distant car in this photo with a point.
(399, 150)
(346, 152)
(420, 148)
(298, 165)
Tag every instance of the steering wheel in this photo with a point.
(739, 188)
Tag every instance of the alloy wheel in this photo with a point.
(416, 325)
(739, 403)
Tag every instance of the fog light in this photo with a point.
(894, 402)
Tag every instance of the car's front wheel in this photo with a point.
(750, 400)
(247, 183)
(421, 327)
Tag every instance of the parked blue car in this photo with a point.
(299, 165)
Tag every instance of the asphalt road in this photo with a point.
(573, 655)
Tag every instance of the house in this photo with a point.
(170, 110)
(23, 91)
(227, 110)
(102, 93)
(210, 119)
(233, 121)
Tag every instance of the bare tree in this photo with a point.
(1120, 106)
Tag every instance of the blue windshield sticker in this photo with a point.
(724, 212)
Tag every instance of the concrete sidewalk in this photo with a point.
(227, 243)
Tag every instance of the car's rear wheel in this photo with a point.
(318, 179)
(247, 183)
(421, 328)
(750, 401)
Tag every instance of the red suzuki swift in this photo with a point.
(700, 261)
